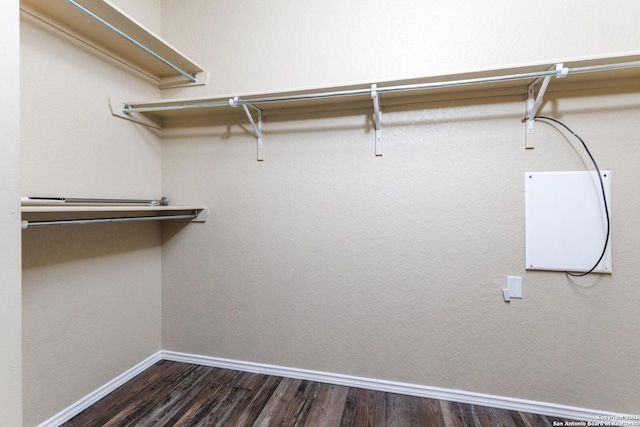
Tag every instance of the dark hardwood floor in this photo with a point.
(182, 394)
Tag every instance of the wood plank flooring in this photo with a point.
(182, 394)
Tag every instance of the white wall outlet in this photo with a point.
(514, 285)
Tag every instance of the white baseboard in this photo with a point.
(82, 404)
(550, 409)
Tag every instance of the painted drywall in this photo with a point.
(326, 257)
(10, 293)
(91, 294)
(266, 46)
(146, 12)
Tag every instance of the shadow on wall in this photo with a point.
(42, 246)
(171, 228)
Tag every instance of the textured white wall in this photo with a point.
(146, 12)
(10, 294)
(250, 46)
(326, 257)
(91, 294)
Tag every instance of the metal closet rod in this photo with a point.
(367, 91)
(86, 11)
(75, 200)
(26, 224)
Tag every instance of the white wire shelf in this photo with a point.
(107, 28)
(502, 81)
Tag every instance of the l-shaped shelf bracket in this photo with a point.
(534, 102)
(377, 116)
(256, 128)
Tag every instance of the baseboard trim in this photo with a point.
(82, 404)
(454, 395)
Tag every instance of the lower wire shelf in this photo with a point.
(38, 216)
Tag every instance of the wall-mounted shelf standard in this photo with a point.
(107, 28)
(504, 81)
(33, 216)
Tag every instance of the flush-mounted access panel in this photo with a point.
(566, 221)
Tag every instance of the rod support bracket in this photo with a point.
(257, 127)
(377, 117)
(534, 102)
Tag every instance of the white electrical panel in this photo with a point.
(566, 222)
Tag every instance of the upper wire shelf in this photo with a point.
(107, 28)
(508, 80)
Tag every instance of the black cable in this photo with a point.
(604, 196)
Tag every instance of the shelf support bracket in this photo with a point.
(534, 102)
(377, 117)
(257, 128)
